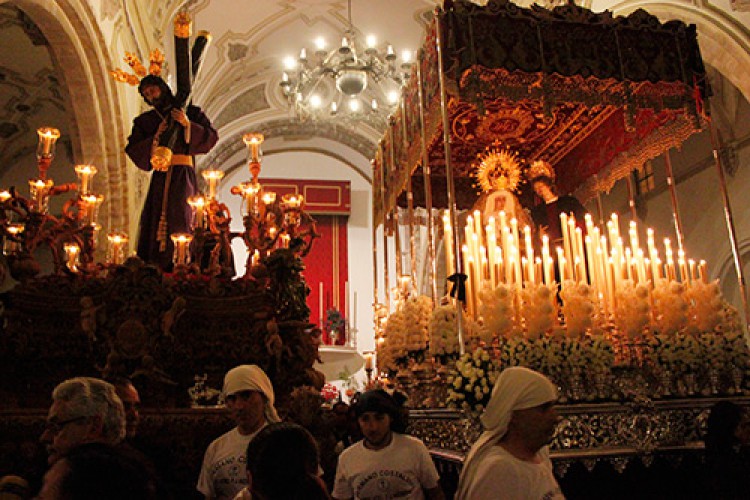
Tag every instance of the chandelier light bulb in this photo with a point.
(374, 105)
(371, 41)
(393, 96)
(320, 43)
(354, 105)
(290, 63)
(390, 55)
(334, 108)
(406, 56)
(315, 101)
(303, 55)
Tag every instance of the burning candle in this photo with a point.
(117, 244)
(10, 243)
(368, 361)
(72, 251)
(90, 205)
(40, 189)
(5, 196)
(181, 256)
(198, 204)
(255, 259)
(251, 195)
(48, 136)
(253, 141)
(85, 175)
(212, 178)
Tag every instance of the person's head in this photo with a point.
(14, 488)
(727, 426)
(84, 410)
(131, 402)
(378, 415)
(156, 92)
(544, 187)
(282, 463)
(249, 397)
(95, 471)
(340, 415)
(522, 408)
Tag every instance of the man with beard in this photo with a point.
(249, 397)
(385, 463)
(510, 459)
(166, 206)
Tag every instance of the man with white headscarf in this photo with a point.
(510, 459)
(249, 398)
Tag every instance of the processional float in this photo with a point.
(613, 313)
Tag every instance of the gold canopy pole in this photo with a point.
(449, 174)
(427, 190)
(386, 288)
(375, 299)
(673, 197)
(394, 215)
(730, 220)
(409, 206)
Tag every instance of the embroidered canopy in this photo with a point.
(593, 94)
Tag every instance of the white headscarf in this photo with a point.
(517, 388)
(252, 378)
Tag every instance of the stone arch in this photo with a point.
(232, 145)
(96, 116)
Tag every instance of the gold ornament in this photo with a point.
(156, 60)
(540, 168)
(498, 169)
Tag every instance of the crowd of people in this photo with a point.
(93, 452)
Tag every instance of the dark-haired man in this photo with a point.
(385, 463)
(171, 185)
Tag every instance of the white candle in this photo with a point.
(346, 305)
(354, 318)
(320, 303)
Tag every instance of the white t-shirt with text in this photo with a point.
(223, 472)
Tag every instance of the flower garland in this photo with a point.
(470, 383)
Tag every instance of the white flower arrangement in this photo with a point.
(470, 383)
(600, 354)
(679, 354)
(632, 310)
(706, 306)
(539, 309)
(443, 331)
(579, 305)
(670, 314)
(518, 351)
(498, 310)
(417, 312)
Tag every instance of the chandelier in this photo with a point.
(348, 82)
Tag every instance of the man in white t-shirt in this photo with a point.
(509, 461)
(386, 463)
(249, 398)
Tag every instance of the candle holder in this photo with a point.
(85, 175)
(11, 243)
(40, 191)
(251, 195)
(117, 245)
(181, 254)
(198, 204)
(72, 254)
(212, 178)
(292, 205)
(90, 204)
(45, 149)
(253, 141)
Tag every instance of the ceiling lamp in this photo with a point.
(348, 81)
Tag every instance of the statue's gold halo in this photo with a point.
(498, 170)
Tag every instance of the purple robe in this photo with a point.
(182, 184)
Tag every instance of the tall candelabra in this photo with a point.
(26, 224)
